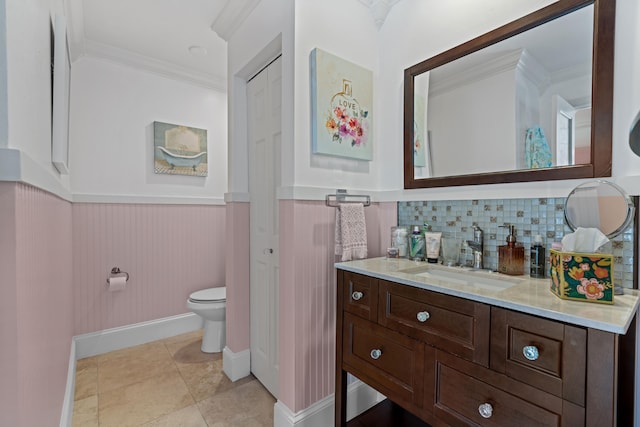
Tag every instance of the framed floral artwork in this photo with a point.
(341, 107)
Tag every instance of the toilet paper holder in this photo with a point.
(115, 272)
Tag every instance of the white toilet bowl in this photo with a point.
(210, 304)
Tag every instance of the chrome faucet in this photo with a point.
(477, 245)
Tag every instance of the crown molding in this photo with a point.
(80, 46)
(379, 9)
(155, 66)
(232, 16)
(508, 61)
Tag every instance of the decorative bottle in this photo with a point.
(416, 245)
(511, 255)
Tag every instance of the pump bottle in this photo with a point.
(511, 255)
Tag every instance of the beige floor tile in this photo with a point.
(158, 385)
(247, 422)
(143, 401)
(87, 362)
(249, 404)
(142, 349)
(189, 336)
(255, 400)
(188, 352)
(186, 417)
(125, 368)
(223, 409)
(85, 412)
(207, 379)
(86, 383)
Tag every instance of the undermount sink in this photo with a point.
(463, 276)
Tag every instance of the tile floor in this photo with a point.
(166, 383)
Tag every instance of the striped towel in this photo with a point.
(351, 231)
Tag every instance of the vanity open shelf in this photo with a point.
(445, 353)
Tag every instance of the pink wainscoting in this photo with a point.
(237, 276)
(307, 295)
(8, 307)
(37, 304)
(169, 251)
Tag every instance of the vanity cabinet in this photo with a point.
(444, 360)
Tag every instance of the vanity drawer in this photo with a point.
(390, 362)
(470, 395)
(360, 295)
(544, 353)
(456, 325)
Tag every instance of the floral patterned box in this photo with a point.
(582, 276)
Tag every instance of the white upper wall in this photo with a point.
(345, 29)
(113, 108)
(4, 106)
(112, 111)
(413, 31)
(416, 30)
(266, 33)
(25, 126)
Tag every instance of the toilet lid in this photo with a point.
(211, 294)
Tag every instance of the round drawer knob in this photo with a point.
(376, 353)
(486, 410)
(357, 295)
(423, 316)
(530, 352)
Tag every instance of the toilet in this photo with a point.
(210, 304)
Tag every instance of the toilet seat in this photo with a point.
(209, 295)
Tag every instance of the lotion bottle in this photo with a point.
(511, 255)
(416, 245)
(537, 258)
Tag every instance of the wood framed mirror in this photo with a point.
(424, 172)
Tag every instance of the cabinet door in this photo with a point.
(360, 295)
(469, 395)
(390, 362)
(544, 353)
(453, 324)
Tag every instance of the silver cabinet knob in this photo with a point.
(485, 410)
(423, 316)
(530, 352)
(357, 295)
(376, 353)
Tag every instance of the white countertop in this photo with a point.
(527, 295)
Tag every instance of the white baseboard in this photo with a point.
(360, 397)
(95, 343)
(236, 365)
(67, 404)
(108, 340)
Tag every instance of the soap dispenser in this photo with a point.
(511, 255)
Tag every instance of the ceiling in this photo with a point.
(184, 39)
(176, 38)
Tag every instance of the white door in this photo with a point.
(264, 131)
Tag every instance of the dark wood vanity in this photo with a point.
(446, 360)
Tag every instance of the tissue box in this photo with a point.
(582, 277)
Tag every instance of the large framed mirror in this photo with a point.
(529, 101)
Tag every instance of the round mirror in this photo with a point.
(599, 204)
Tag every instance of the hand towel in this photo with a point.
(351, 231)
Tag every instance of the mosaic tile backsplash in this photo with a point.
(544, 216)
